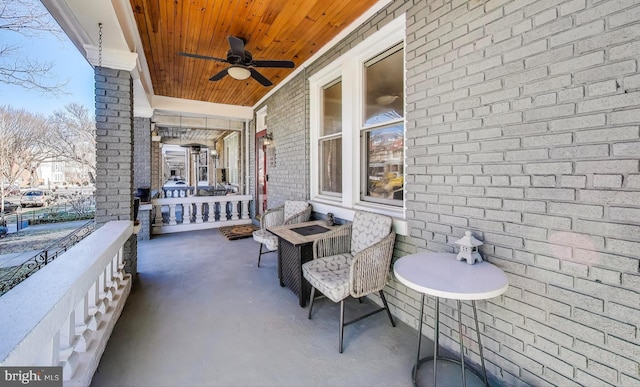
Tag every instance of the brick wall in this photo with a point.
(114, 153)
(142, 168)
(142, 152)
(523, 125)
(288, 157)
(156, 163)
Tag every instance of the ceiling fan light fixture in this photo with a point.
(386, 99)
(239, 73)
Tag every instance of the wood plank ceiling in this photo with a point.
(273, 29)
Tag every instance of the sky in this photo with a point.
(68, 66)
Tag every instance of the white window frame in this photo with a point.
(231, 145)
(350, 68)
(329, 137)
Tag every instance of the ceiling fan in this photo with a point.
(195, 147)
(242, 63)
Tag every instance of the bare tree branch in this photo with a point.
(28, 18)
(73, 132)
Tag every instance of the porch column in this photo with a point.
(156, 166)
(142, 168)
(114, 153)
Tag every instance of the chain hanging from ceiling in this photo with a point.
(99, 44)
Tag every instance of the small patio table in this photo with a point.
(295, 247)
(442, 275)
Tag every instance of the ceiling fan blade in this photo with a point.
(219, 75)
(237, 47)
(285, 64)
(260, 78)
(202, 57)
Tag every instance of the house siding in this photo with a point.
(523, 126)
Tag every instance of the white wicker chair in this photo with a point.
(352, 260)
(293, 211)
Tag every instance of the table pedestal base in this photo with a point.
(414, 370)
(435, 358)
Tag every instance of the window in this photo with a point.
(357, 126)
(202, 168)
(382, 132)
(330, 141)
(232, 157)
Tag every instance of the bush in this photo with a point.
(62, 217)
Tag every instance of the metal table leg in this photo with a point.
(436, 336)
(475, 318)
(415, 367)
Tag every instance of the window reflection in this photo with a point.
(331, 139)
(383, 128)
(385, 162)
(331, 179)
(384, 83)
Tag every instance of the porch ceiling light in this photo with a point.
(239, 72)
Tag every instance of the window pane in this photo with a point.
(385, 162)
(332, 109)
(384, 84)
(331, 165)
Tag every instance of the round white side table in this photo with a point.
(441, 275)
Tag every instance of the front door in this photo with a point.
(262, 176)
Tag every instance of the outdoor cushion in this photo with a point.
(266, 238)
(368, 229)
(330, 275)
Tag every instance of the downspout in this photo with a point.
(307, 134)
(246, 157)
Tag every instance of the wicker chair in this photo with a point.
(290, 213)
(352, 260)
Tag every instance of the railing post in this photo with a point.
(235, 213)
(158, 220)
(199, 211)
(172, 214)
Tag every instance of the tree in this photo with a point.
(23, 146)
(74, 138)
(28, 18)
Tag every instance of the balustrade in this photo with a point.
(199, 212)
(73, 304)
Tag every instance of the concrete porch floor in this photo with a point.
(203, 314)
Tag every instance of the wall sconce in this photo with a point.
(268, 139)
(214, 150)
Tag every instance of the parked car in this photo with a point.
(38, 198)
(10, 207)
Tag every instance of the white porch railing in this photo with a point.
(64, 314)
(199, 212)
